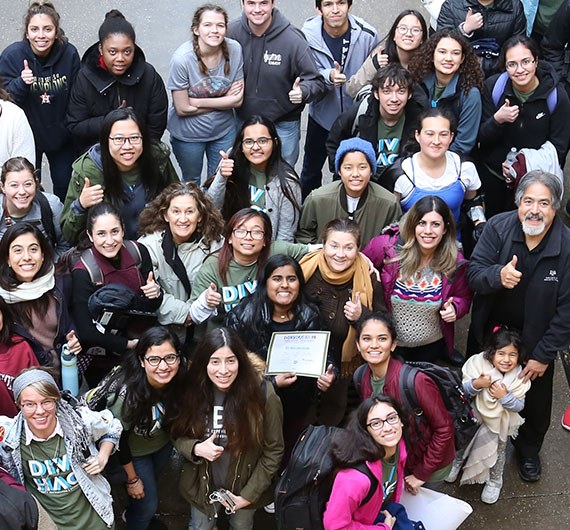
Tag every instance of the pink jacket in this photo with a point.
(350, 487)
(383, 247)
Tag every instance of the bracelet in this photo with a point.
(133, 481)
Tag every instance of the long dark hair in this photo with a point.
(6, 333)
(152, 179)
(237, 186)
(354, 444)
(244, 401)
(140, 397)
(391, 50)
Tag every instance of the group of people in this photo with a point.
(447, 153)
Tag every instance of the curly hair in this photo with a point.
(211, 224)
(470, 72)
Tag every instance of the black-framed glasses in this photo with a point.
(525, 63)
(133, 139)
(241, 233)
(414, 30)
(169, 359)
(262, 141)
(377, 424)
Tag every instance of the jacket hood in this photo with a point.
(94, 154)
(278, 24)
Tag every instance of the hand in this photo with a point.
(132, 344)
(382, 58)
(284, 380)
(123, 104)
(389, 519)
(73, 343)
(372, 270)
(239, 501)
(510, 276)
(213, 298)
(151, 289)
(235, 88)
(136, 490)
(208, 449)
(506, 113)
(473, 21)
(483, 381)
(478, 230)
(325, 380)
(353, 310)
(95, 464)
(506, 171)
(532, 370)
(27, 75)
(296, 94)
(447, 311)
(336, 76)
(226, 165)
(498, 390)
(91, 195)
(413, 484)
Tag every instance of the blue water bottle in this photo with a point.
(69, 371)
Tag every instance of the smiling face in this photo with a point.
(283, 287)
(447, 57)
(335, 16)
(20, 190)
(412, 38)
(506, 358)
(107, 235)
(340, 250)
(25, 257)
(160, 375)
(435, 137)
(355, 173)
(521, 66)
(257, 155)
(118, 51)
(392, 100)
(375, 343)
(246, 250)
(536, 212)
(223, 368)
(390, 435)
(41, 33)
(429, 232)
(182, 217)
(211, 30)
(259, 14)
(41, 422)
(125, 155)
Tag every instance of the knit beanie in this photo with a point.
(355, 144)
(28, 377)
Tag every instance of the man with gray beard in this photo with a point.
(520, 272)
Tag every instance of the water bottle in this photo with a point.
(511, 156)
(69, 371)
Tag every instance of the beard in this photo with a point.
(533, 231)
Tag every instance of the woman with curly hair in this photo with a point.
(450, 76)
(180, 229)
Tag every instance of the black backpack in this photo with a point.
(306, 483)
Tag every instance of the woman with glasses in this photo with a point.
(432, 447)
(372, 444)
(408, 32)
(254, 174)
(125, 169)
(524, 107)
(142, 394)
(59, 452)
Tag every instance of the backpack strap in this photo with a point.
(362, 108)
(363, 468)
(92, 267)
(47, 217)
(358, 376)
(552, 100)
(499, 87)
(134, 251)
(407, 388)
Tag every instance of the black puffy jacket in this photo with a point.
(555, 47)
(503, 19)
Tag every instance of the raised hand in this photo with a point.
(325, 380)
(510, 276)
(447, 311)
(507, 113)
(336, 76)
(27, 75)
(91, 195)
(151, 289)
(73, 343)
(353, 309)
(473, 21)
(296, 94)
(208, 449)
(226, 164)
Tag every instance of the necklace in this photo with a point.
(56, 452)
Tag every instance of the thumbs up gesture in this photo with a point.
(510, 276)
(447, 311)
(151, 289)
(208, 448)
(27, 75)
(73, 342)
(325, 380)
(353, 308)
(473, 21)
(213, 297)
(336, 76)
(296, 94)
(226, 164)
(507, 113)
(91, 195)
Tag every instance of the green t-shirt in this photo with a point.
(545, 14)
(257, 184)
(390, 475)
(139, 444)
(523, 96)
(49, 478)
(437, 92)
(389, 142)
(377, 385)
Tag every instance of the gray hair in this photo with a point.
(537, 176)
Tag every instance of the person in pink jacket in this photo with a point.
(424, 278)
(374, 436)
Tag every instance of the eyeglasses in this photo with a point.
(525, 63)
(262, 141)
(378, 424)
(134, 139)
(29, 406)
(169, 359)
(415, 30)
(240, 233)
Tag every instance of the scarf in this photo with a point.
(173, 259)
(29, 291)
(361, 282)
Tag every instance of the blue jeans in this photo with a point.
(241, 520)
(59, 167)
(140, 511)
(289, 134)
(190, 155)
(315, 157)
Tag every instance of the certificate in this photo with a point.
(302, 352)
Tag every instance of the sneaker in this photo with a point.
(454, 471)
(270, 508)
(529, 468)
(566, 419)
(490, 494)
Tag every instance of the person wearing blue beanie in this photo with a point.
(355, 144)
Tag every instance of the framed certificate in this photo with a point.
(302, 352)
